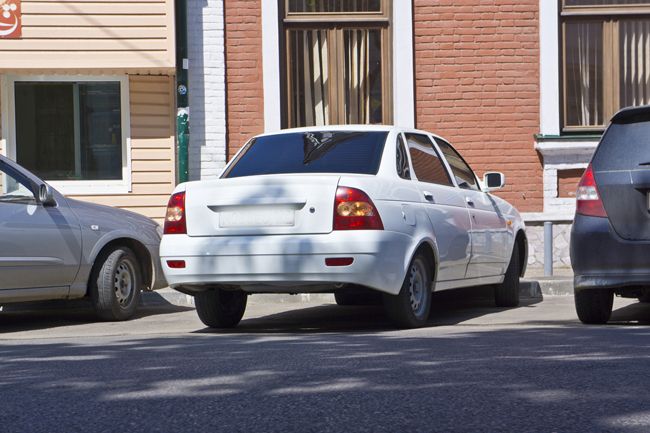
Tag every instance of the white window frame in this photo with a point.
(72, 187)
(402, 53)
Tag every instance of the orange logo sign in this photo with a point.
(10, 19)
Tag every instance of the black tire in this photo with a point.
(115, 284)
(506, 294)
(220, 308)
(344, 298)
(594, 306)
(645, 299)
(410, 308)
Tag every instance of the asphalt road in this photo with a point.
(306, 367)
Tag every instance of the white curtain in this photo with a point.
(634, 38)
(584, 74)
(310, 78)
(357, 65)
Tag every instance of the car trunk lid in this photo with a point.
(261, 205)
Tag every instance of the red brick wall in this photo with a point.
(477, 84)
(245, 92)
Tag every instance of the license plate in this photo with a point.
(258, 216)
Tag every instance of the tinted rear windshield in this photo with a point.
(625, 146)
(311, 152)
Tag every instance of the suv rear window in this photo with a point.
(311, 152)
(624, 146)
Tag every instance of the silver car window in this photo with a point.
(13, 187)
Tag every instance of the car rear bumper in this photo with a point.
(602, 259)
(288, 263)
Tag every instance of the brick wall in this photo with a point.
(207, 152)
(244, 71)
(477, 84)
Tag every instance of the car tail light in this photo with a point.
(175, 218)
(588, 201)
(353, 210)
(176, 264)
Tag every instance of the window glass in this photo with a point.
(403, 169)
(426, 163)
(464, 175)
(69, 131)
(584, 78)
(13, 187)
(604, 2)
(311, 152)
(326, 6)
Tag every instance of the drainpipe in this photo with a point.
(182, 93)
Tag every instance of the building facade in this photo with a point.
(87, 98)
(524, 87)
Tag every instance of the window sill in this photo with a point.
(75, 187)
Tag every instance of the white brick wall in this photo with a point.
(207, 88)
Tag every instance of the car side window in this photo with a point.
(465, 177)
(427, 164)
(13, 187)
(403, 169)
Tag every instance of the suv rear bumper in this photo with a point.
(602, 259)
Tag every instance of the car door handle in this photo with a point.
(428, 196)
(469, 201)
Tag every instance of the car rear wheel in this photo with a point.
(410, 308)
(594, 306)
(645, 298)
(506, 294)
(358, 297)
(220, 308)
(115, 284)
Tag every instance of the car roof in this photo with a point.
(632, 114)
(351, 128)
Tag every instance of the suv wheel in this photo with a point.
(594, 306)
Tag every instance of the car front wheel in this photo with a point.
(220, 308)
(115, 284)
(506, 294)
(594, 306)
(410, 308)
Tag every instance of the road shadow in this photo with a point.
(446, 379)
(448, 307)
(33, 316)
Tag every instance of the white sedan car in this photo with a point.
(348, 210)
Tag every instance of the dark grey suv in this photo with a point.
(610, 239)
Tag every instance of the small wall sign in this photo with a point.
(10, 19)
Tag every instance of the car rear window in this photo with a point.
(625, 146)
(311, 152)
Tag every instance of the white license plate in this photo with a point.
(258, 216)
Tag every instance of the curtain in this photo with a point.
(357, 91)
(319, 6)
(310, 78)
(584, 48)
(634, 39)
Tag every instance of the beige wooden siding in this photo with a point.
(91, 34)
(152, 148)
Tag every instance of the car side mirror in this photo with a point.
(46, 196)
(494, 181)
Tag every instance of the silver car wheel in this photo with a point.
(417, 289)
(124, 278)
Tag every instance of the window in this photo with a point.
(606, 63)
(311, 152)
(426, 163)
(14, 188)
(337, 62)
(402, 160)
(464, 175)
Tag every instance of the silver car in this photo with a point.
(53, 247)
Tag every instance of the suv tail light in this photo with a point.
(353, 210)
(175, 218)
(588, 201)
